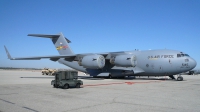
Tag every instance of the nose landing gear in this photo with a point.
(179, 77)
(172, 77)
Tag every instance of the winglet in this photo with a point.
(8, 54)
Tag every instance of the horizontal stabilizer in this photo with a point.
(45, 36)
(48, 36)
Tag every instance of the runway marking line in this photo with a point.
(128, 83)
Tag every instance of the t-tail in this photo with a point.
(60, 42)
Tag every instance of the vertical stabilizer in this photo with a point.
(61, 43)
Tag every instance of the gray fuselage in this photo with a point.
(153, 62)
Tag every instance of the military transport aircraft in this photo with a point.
(118, 64)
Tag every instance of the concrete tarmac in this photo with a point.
(26, 91)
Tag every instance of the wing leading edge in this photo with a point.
(70, 57)
(53, 58)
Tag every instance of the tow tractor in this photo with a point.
(66, 79)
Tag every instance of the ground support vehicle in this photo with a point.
(47, 71)
(66, 79)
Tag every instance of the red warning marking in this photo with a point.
(128, 83)
(101, 84)
(64, 47)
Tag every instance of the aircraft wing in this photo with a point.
(71, 57)
(75, 57)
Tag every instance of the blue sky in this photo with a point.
(97, 26)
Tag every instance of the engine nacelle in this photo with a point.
(124, 60)
(92, 61)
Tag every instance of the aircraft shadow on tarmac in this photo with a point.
(146, 78)
(104, 78)
(79, 77)
(39, 77)
(89, 78)
(126, 78)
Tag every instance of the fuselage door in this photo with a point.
(160, 68)
(134, 61)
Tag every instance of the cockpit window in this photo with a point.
(178, 55)
(186, 55)
(182, 55)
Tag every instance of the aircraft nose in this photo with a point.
(193, 63)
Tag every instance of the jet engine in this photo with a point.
(124, 60)
(92, 61)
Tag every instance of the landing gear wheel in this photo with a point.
(179, 78)
(121, 77)
(55, 86)
(78, 85)
(110, 77)
(66, 86)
